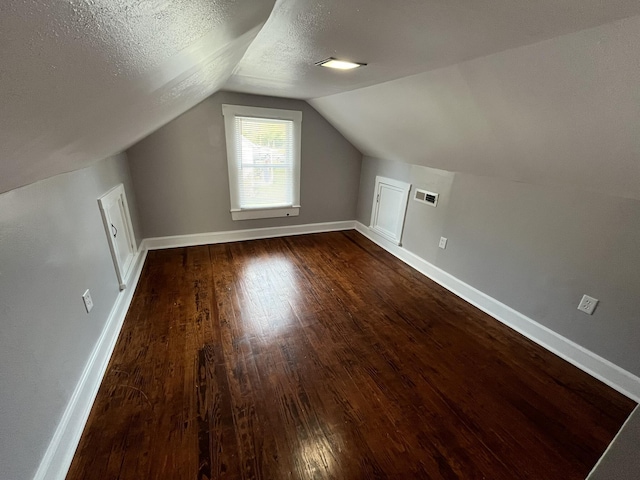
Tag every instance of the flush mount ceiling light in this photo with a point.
(339, 64)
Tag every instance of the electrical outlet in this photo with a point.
(443, 243)
(88, 302)
(587, 304)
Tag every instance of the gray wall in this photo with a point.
(181, 180)
(534, 248)
(54, 247)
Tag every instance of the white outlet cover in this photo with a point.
(443, 243)
(88, 302)
(588, 304)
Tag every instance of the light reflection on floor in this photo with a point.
(317, 457)
(268, 294)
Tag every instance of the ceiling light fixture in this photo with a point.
(339, 64)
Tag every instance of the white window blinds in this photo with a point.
(265, 162)
(263, 153)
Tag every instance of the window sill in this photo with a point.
(265, 213)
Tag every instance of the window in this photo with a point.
(263, 152)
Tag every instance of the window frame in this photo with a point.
(230, 112)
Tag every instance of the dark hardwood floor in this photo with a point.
(324, 357)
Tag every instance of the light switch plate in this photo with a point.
(443, 243)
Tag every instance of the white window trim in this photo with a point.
(230, 112)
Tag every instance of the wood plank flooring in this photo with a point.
(323, 357)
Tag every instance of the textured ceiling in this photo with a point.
(399, 38)
(83, 79)
(564, 112)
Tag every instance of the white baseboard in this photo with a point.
(241, 235)
(598, 367)
(57, 459)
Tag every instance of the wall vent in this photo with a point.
(429, 198)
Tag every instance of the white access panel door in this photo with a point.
(117, 224)
(389, 208)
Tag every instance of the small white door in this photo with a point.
(117, 223)
(389, 208)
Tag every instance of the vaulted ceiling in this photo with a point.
(83, 79)
(399, 38)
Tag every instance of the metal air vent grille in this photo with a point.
(429, 198)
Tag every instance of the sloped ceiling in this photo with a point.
(399, 38)
(563, 112)
(83, 79)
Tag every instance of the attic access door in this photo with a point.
(389, 208)
(117, 223)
